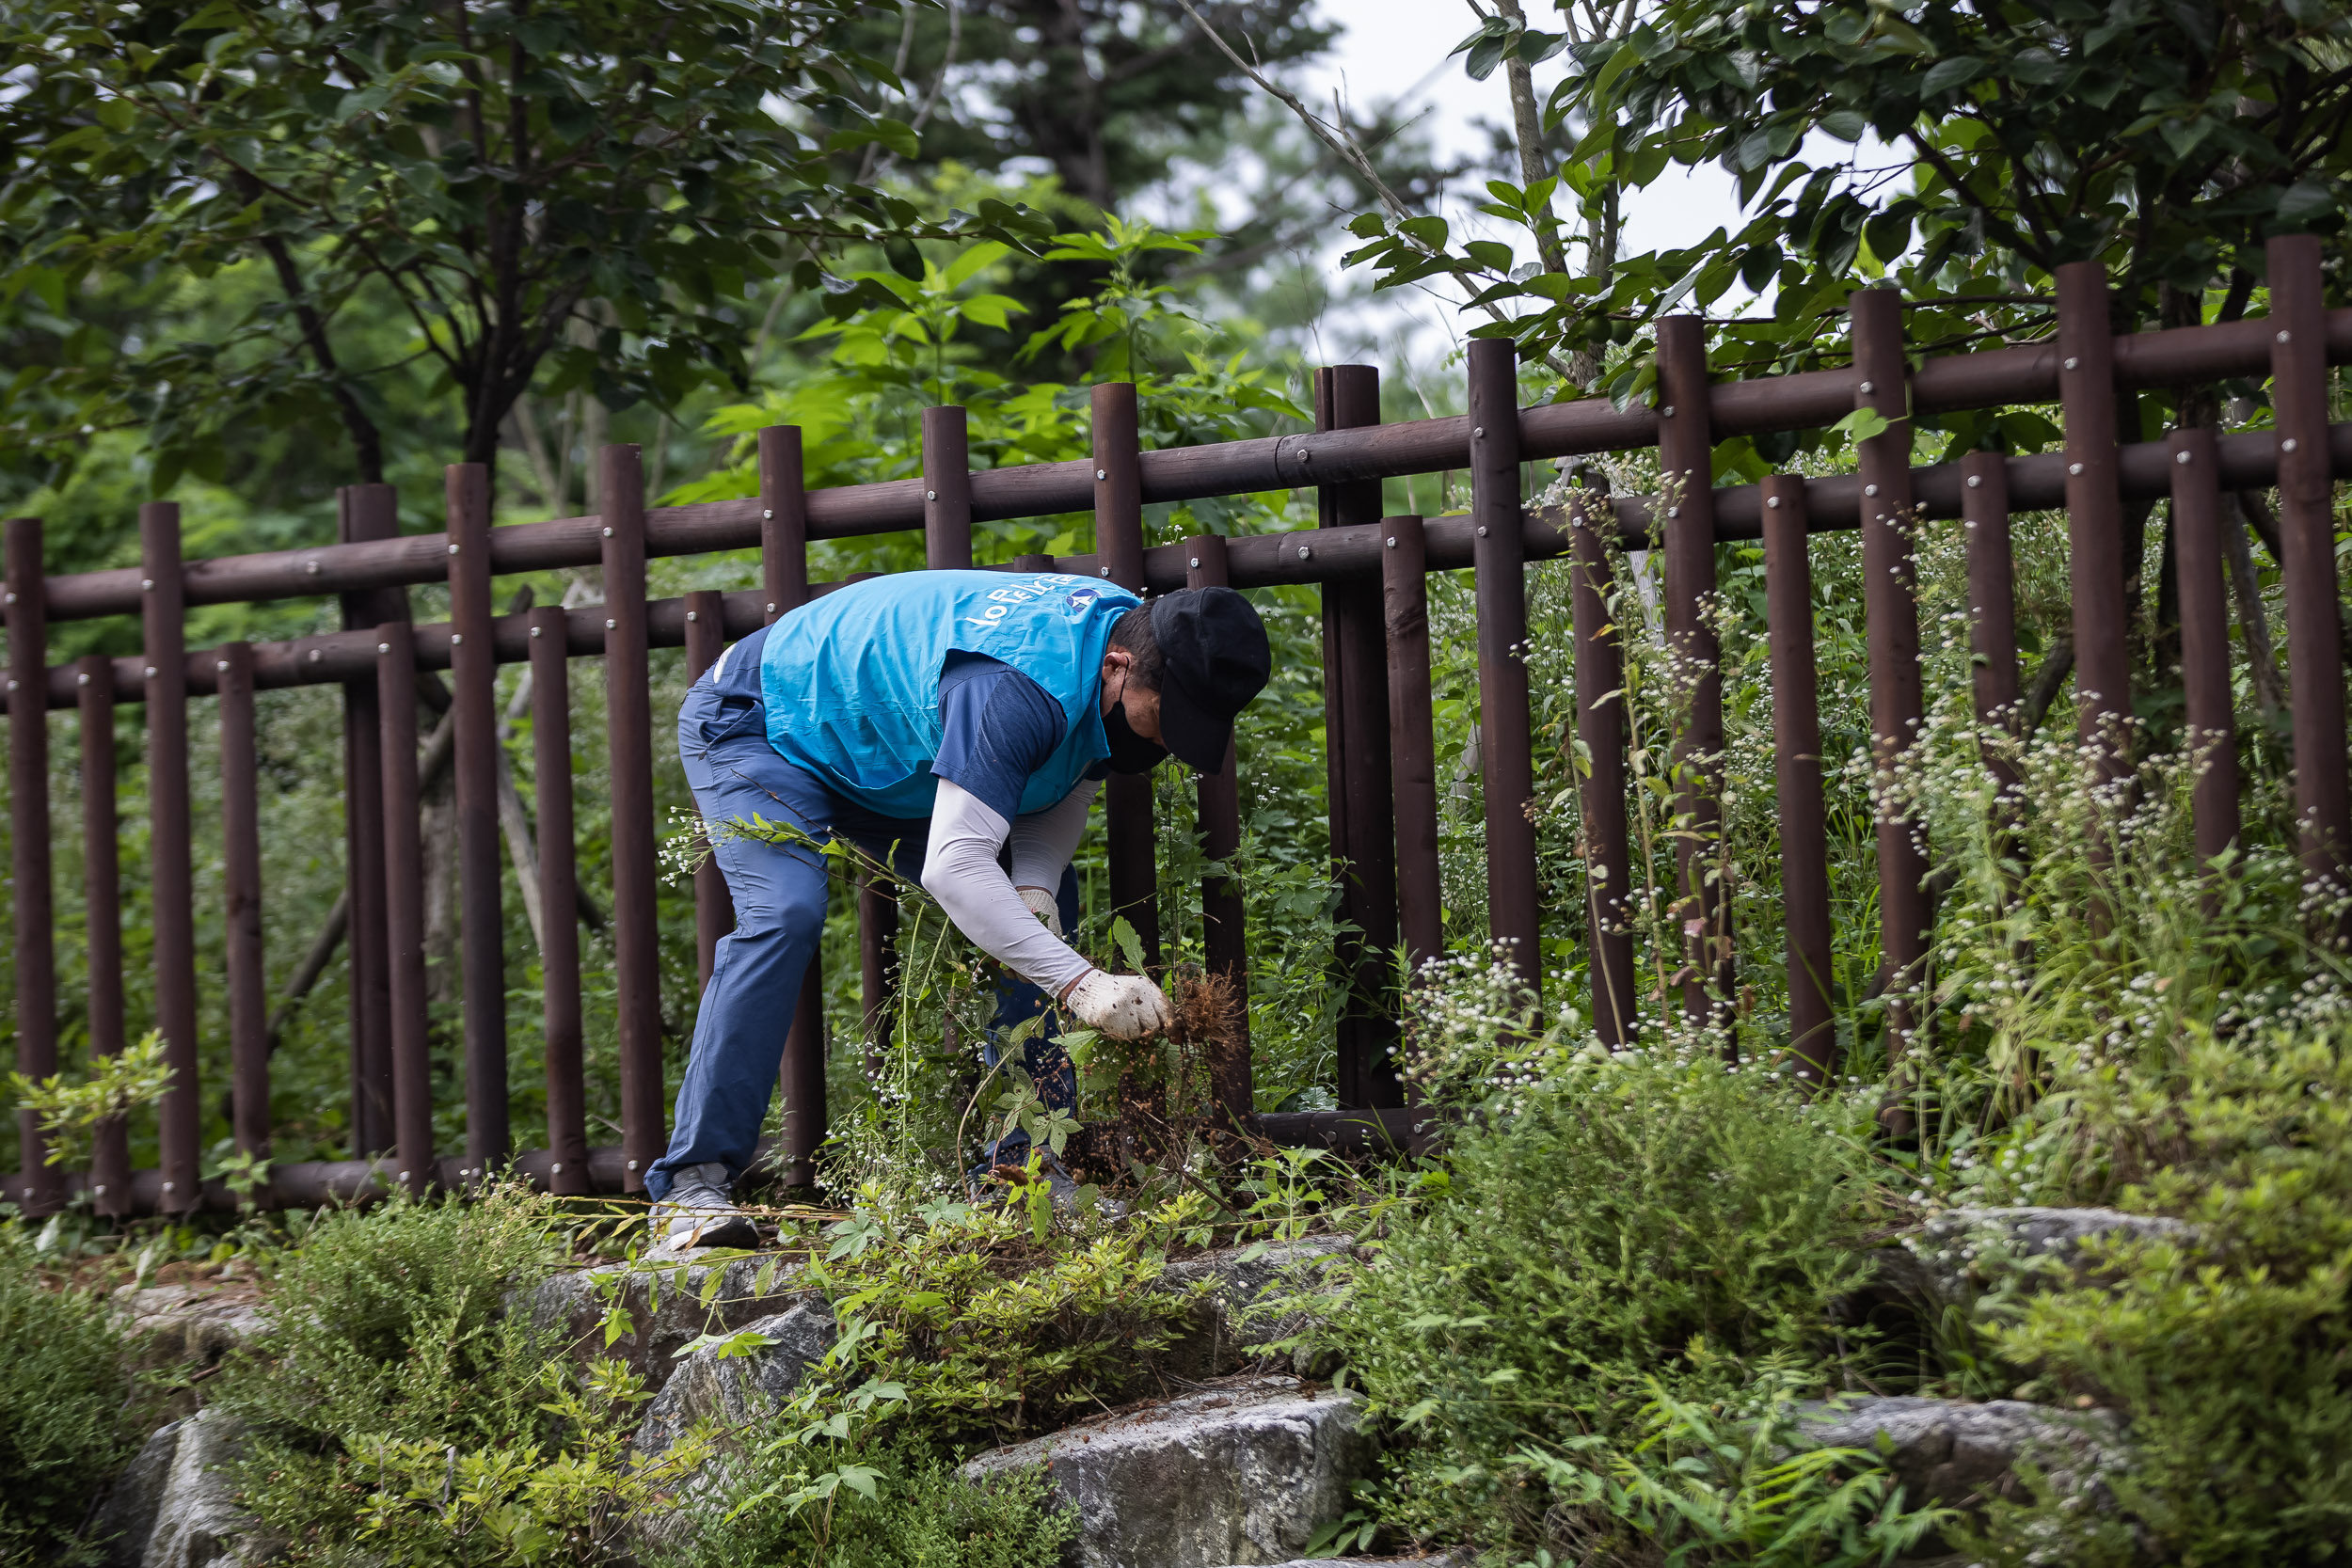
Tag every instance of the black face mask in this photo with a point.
(1129, 752)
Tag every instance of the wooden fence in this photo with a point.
(1372, 572)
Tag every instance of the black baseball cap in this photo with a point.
(1214, 659)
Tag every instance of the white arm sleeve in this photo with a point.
(960, 870)
(1042, 842)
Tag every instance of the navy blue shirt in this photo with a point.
(997, 726)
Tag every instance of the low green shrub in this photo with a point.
(1644, 1226)
(402, 1410)
(918, 1514)
(992, 1333)
(69, 1416)
(2227, 1350)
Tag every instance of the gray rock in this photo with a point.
(1238, 1473)
(1964, 1253)
(197, 1323)
(736, 1391)
(176, 1505)
(664, 1299)
(1964, 1455)
(1234, 1324)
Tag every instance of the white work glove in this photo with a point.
(1042, 905)
(1125, 1006)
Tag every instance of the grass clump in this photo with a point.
(69, 1415)
(1645, 1237)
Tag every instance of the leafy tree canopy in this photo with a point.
(592, 187)
(1984, 145)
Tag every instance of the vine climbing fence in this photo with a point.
(1372, 572)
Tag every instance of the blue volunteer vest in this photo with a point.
(850, 681)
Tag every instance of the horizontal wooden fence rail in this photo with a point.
(1946, 384)
(1375, 657)
(2248, 460)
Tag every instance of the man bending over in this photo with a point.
(972, 714)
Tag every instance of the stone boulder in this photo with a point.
(736, 1391)
(197, 1323)
(663, 1298)
(1963, 1253)
(1241, 1472)
(1234, 1322)
(176, 1505)
(1964, 1455)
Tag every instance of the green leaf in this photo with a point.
(1947, 75)
(1130, 946)
(1862, 424)
(2305, 202)
(1430, 231)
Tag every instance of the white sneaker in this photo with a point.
(699, 1214)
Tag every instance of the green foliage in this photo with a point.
(68, 1415)
(922, 1516)
(69, 1112)
(993, 1331)
(2224, 1349)
(1704, 1484)
(1646, 1225)
(402, 1407)
(493, 176)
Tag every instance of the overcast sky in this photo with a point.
(1396, 49)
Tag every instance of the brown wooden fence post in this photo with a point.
(1600, 725)
(2095, 512)
(1891, 612)
(1118, 545)
(714, 912)
(636, 939)
(946, 490)
(1356, 731)
(784, 569)
(2298, 370)
(1217, 798)
(1992, 601)
(241, 856)
(783, 519)
(481, 856)
(1686, 445)
(172, 881)
(364, 513)
(558, 900)
(1797, 776)
(403, 906)
(102, 896)
(1412, 739)
(28, 842)
(2210, 716)
(1498, 553)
